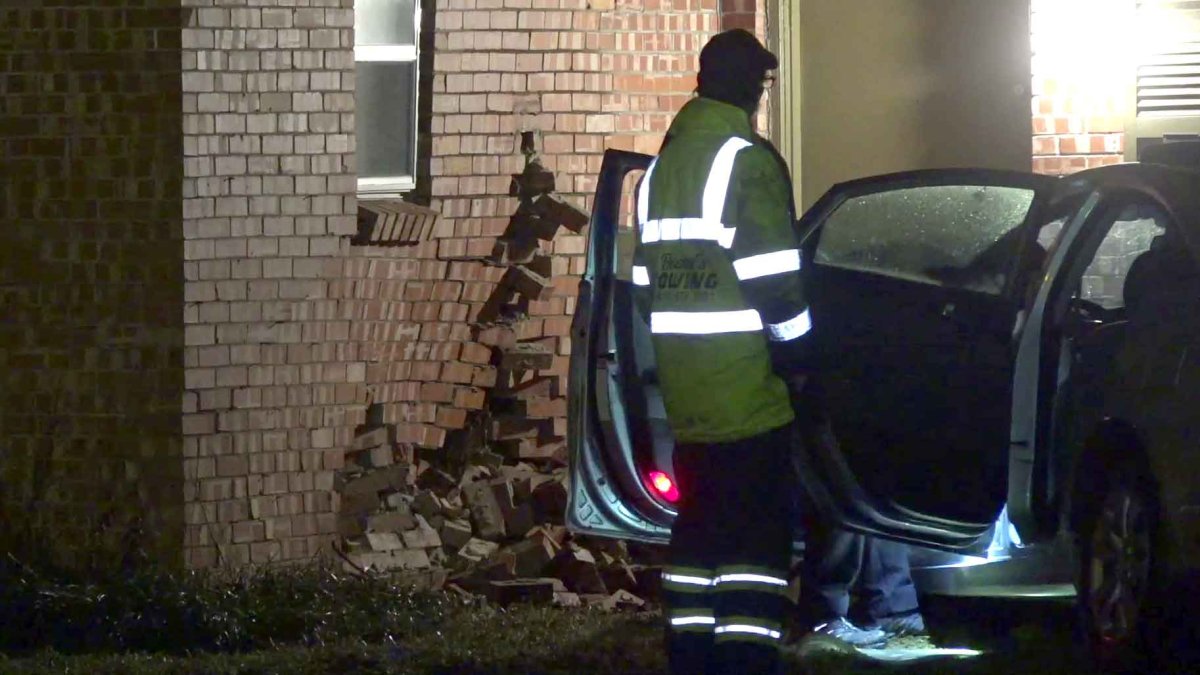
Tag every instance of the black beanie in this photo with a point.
(732, 66)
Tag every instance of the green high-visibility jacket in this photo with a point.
(717, 273)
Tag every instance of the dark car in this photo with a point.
(1013, 365)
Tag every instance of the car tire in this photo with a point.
(1117, 573)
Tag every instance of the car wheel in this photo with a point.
(1116, 574)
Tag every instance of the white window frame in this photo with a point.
(383, 186)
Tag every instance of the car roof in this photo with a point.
(1177, 188)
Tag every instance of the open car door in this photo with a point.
(619, 441)
(916, 282)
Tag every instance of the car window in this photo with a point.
(1131, 234)
(961, 236)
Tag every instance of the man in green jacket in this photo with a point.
(716, 268)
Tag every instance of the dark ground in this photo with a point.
(1021, 637)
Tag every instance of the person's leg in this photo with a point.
(832, 558)
(890, 596)
(753, 517)
(687, 578)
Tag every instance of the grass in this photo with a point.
(318, 620)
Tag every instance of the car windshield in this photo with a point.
(963, 236)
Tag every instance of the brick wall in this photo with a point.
(91, 289)
(584, 78)
(273, 380)
(1079, 98)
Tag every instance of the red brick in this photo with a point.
(476, 353)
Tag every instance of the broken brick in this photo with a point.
(526, 282)
(394, 477)
(390, 521)
(455, 534)
(526, 356)
(557, 211)
(372, 438)
(486, 513)
(539, 591)
(577, 568)
(384, 541)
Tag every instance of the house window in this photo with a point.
(386, 33)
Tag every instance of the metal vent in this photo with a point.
(1168, 76)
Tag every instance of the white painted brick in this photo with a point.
(310, 144)
(231, 82)
(325, 38)
(246, 185)
(293, 164)
(293, 38)
(339, 59)
(260, 247)
(197, 38)
(229, 123)
(293, 122)
(307, 101)
(312, 225)
(246, 145)
(260, 124)
(338, 143)
(246, 17)
(309, 268)
(213, 103)
(343, 18)
(231, 166)
(262, 82)
(198, 82)
(211, 18)
(263, 165)
(277, 144)
(324, 246)
(262, 39)
(276, 18)
(294, 247)
(276, 60)
(294, 81)
(264, 205)
(246, 269)
(308, 60)
(230, 248)
(277, 268)
(339, 102)
(250, 226)
(326, 81)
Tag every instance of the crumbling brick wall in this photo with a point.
(91, 288)
(584, 79)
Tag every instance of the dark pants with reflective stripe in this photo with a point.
(841, 559)
(725, 581)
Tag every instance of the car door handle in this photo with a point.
(948, 309)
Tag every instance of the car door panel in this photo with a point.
(916, 359)
(612, 415)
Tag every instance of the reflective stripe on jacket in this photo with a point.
(717, 267)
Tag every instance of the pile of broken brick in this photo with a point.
(493, 530)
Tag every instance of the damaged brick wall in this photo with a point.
(91, 286)
(582, 78)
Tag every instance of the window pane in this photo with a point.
(384, 22)
(963, 236)
(384, 106)
(1131, 235)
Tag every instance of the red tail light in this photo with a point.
(664, 486)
